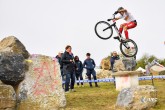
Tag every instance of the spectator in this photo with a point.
(68, 68)
(79, 70)
(61, 66)
(113, 58)
(89, 64)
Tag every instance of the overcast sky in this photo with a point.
(47, 26)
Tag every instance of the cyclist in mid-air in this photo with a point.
(131, 22)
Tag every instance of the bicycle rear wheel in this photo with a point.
(103, 30)
(128, 48)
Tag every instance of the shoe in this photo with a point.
(66, 92)
(116, 37)
(96, 86)
(73, 90)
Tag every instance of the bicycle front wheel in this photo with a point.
(103, 30)
(128, 48)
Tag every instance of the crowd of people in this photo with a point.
(72, 67)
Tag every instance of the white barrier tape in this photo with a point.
(112, 79)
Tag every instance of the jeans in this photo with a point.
(69, 76)
(93, 72)
(79, 75)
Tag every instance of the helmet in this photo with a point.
(120, 8)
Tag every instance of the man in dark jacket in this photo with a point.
(68, 68)
(79, 69)
(89, 64)
(113, 58)
(61, 66)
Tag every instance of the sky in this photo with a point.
(47, 26)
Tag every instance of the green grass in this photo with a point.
(104, 97)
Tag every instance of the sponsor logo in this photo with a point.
(145, 99)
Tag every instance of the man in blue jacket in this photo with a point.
(89, 64)
(68, 68)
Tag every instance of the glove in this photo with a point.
(116, 12)
(108, 19)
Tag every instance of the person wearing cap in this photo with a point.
(68, 68)
(113, 58)
(89, 64)
(130, 21)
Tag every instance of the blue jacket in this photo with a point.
(89, 64)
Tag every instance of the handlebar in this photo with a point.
(113, 17)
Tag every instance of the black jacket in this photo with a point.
(68, 67)
(79, 66)
(59, 61)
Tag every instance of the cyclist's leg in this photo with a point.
(129, 25)
(121, 28)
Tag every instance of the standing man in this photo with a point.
(113, 58)
(79, 70)
(68, 68)
(89, 64)
(61, 66)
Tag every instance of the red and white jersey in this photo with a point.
(127, 17)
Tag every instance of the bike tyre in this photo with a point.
(123, 51)
(108, 25)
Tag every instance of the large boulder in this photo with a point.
(119, 66)
(1, 82)
(12, 44)
(137, 98)
(162, 72)
(42, 87)
(105, 64)
(7, 97)
(12, 68)
(129, 63)
(156, 69)
(103, 74)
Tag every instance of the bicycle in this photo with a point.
(127, 46)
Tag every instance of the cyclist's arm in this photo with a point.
(117, 19)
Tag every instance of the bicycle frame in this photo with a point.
(121, 39)
(116, 29)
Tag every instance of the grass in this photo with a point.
(104, 97)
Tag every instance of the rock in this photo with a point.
(12, 68)
(137, 98)
(156, 69)
(12, 44)
(119, 66)
(105, 64)
(7, 97)
(126, 79)
(42, 87)
(129, 63)
(162, 72)
(1, 82)
(103, 74)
